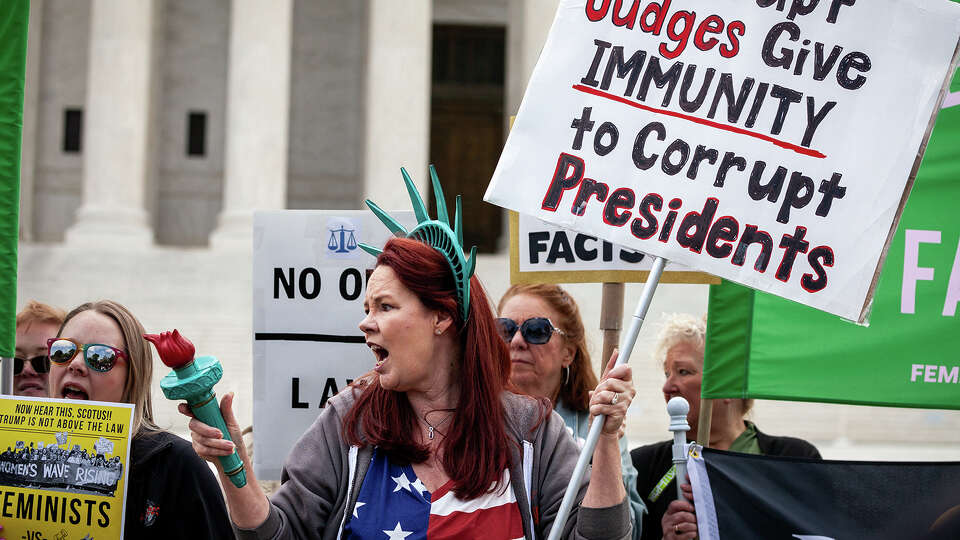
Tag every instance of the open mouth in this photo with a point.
(379, 352)
(72, 391)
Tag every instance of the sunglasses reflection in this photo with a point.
(97, 356)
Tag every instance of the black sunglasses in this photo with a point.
(535, 330)
(40, 364)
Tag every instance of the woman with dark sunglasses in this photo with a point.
(549, 359)
(100, 354)
(36, 323)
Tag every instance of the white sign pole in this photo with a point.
(586, 454)
(6, 376)
(678, 408)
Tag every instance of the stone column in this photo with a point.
(397, 130)
(117, 127)
(258, 110)
(529, 24)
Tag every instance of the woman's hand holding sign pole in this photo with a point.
(626, 348)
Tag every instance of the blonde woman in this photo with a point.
(100, 354)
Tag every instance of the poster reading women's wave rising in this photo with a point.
(63, 468)
(767, 142)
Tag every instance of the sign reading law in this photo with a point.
(309, 280)
(767, 142)
(63, 467)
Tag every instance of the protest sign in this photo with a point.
(63, 468)
(760, 346)
(544, 253)
(309, 277)
(767, 142)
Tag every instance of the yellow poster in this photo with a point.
(63, 468)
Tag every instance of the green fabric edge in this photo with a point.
(14, 21)
(726, 359)
(839, 401)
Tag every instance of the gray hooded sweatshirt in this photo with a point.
(322, 478)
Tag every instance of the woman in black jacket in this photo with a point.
(100, 354)
(680, 347)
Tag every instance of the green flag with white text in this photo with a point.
(761, 346)
(13, 59)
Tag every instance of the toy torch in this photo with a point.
(192, 379)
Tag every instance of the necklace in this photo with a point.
(432, 428)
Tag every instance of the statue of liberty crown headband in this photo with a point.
(436, 233)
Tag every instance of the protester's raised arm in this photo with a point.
(248, 505)
(611, 399)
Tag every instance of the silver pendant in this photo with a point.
(430, 432)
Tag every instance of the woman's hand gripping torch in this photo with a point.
(192, 379)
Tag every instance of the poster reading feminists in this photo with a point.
(63, 468)
(770, 142)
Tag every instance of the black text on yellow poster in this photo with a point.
(63, 468)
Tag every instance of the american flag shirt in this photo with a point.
(394, 505)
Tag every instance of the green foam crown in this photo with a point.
(436, 233)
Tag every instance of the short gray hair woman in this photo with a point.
(679, 350)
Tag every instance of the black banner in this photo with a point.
(772, 498)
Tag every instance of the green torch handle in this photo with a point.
(207, 411)
(194, 382)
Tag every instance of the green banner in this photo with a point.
(762, 346)
(13, 59)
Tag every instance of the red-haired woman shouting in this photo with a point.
(431, 444)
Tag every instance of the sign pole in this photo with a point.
(626, 347)
(611, 316)
(678, 408)
(6, 376)
(703, 422)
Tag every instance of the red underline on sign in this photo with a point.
(734, 129)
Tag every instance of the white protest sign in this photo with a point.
(544, 253)
(768, 142)
(309, 278)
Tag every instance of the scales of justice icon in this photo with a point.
(343, 244)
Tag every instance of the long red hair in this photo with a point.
(476, 448)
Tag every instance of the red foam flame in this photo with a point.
(175, 350)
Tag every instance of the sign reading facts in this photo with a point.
(63, 467)
(544, 253)
(770, 142)
(309, 279)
